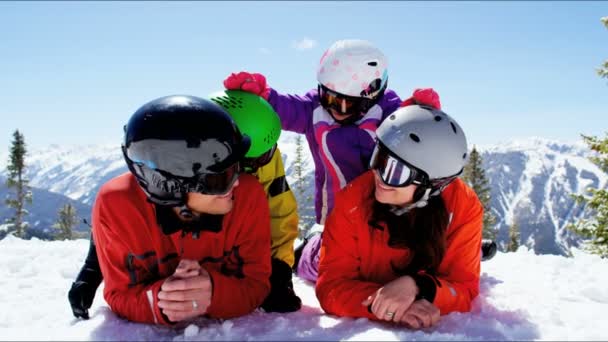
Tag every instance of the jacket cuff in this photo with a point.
(427, 289)
(152, 295)
(216, 301)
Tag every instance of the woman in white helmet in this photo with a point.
(403, 241)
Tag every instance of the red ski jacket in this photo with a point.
(136, 256)
(356, 259)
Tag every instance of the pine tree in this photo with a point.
(596, 228)
(66, 222)
(298, 165)
(475, 176)
(603, 69)
(300, 188)
(17, 180)
(514, 238)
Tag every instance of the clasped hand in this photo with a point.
(187, 293)
(396, 302)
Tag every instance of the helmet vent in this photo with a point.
(372, 63)
(414, 137)
(453, 127)
(464, 156)
(229, 102)
(392, 117)
(238, 102)
(438, 118)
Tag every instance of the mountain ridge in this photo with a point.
(530, 179)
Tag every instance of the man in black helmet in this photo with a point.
(184, 233)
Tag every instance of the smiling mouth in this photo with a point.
(339, 115)
(380, 185)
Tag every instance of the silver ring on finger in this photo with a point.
(389, 314)
(194, 305)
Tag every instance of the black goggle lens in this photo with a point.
(213, 183)
(252, 164)
(346, 105)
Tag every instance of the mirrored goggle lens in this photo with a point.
(392, 171)
(215, 183)
(340, 103)
(161, 189)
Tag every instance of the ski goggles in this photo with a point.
(344, 104)
(392, 170)
(252, 164)
(213, 183)
(165, 189)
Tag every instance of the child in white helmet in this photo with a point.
(340, 116)
(339, 119)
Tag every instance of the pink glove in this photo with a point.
(251, 83)
(425, 96)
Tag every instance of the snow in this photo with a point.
(523, 297)
(72, 170)
(538, 145)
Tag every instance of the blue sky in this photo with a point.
(74, 72)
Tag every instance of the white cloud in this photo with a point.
(304, 44)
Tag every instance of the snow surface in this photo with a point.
(523, 297)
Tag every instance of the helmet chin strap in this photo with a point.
(422, 202)
(195, 224)
(185, 212)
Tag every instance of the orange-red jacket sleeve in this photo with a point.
(237, 296)
(458, 276)
(338, 289)
(136, 302)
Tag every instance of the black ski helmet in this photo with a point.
(179, 144)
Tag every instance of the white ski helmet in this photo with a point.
(354, 68)
(428, 139)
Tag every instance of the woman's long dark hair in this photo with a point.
(421, 230)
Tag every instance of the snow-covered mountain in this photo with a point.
(531, 181)
(43, 211)
(74, 171)
(531, 185)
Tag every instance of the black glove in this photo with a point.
(81, 298)
(488, 249)
(83, 289)
(282, 298)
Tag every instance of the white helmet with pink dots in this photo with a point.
(353, 68)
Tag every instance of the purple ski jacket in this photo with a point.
(341, 153)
